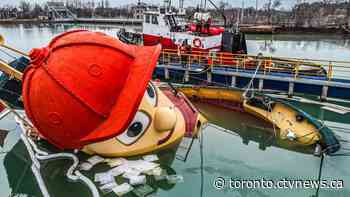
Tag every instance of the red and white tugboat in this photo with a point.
(165, 27)
(201, 42)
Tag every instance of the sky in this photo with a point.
(235, 3)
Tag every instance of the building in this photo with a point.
(140, 8)
(57, 10)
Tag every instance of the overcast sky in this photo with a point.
(236, 3)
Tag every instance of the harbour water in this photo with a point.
(235, 145)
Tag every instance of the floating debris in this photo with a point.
(130, 172)
(122, 189)
(150, 158)
(115, 172)
(134, 171)
(95, 159)
(143, 190)
(173, 179)
(91, 162)
(141, 165)
(115, 162)
(107, 188)
(162, 176)
(155, 171)
(104, 178)
(137, 180)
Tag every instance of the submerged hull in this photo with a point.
(293, 124)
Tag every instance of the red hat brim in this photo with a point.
(126, 106)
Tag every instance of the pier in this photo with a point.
(197, 70)
(58, 12)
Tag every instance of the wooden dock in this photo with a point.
(119, 21)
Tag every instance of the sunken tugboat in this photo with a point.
(103, 104)
(53, 67)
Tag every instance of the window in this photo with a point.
(147, 19)
(154, 20)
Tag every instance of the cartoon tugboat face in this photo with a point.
(157, 124)
(89, 91)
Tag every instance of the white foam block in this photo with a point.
(104, 178)
(95, 160)
(122, 189)
(142, 165)
(156, 171)
(115, 172)
(173, 179)
(150, 158)
(85, 166)
(116, 162)
(131, 173)
(107, 188)
(138, 180)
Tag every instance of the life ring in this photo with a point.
(197, 43)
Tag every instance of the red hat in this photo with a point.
(86, 87)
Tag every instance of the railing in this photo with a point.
(296, 67)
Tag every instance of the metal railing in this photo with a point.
(295, 67)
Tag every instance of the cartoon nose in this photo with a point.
(164, 119)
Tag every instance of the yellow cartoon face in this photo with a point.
(160, 122)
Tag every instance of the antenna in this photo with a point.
(218, 9)
(167, 5)
(242, 11)
(181, 4)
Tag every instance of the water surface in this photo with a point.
(245, 150)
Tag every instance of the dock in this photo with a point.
(264, 80)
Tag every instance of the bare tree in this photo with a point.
(37, 10)
(24, 6)
(270, 8)
(276, 4)
(106, 4)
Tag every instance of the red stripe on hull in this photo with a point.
(167, 43)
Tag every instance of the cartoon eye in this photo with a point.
(136, 129)
(151, 94)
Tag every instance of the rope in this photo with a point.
(273, 122)
(320, 174)
(251, 85)
(36, 154)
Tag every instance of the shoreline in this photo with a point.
(268, 29)
(248, 29)
(117, 21)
